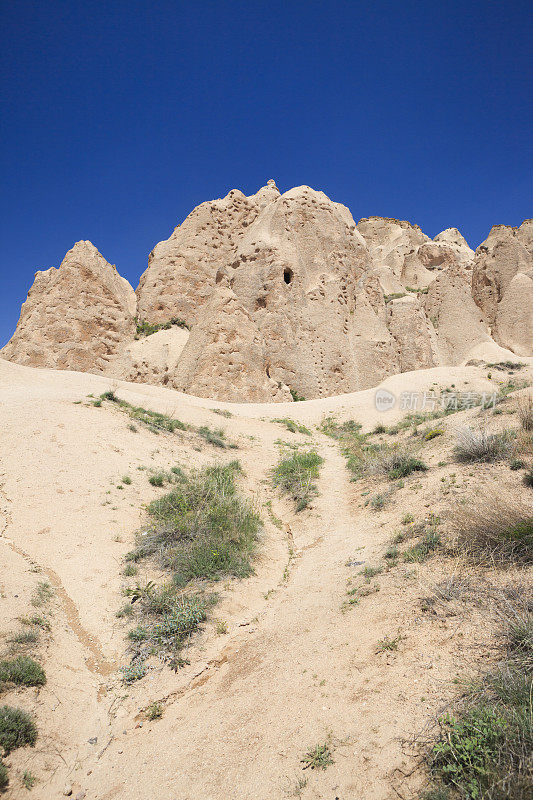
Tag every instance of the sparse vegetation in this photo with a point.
(22, 671)
(525, 412)
(223, 412)
(295, 396)
(201, 530)
(494, 531)
(154, 711)
(4, 776)
(147, 329)
(292, 426)
(28, 780)
(295, 474)
(17, 729)
(319, 757)
(215, 437)
(43, 594)
(483, 749)
(388, 645)
(481, 445)
(153, 420)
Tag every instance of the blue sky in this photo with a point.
(119, 117)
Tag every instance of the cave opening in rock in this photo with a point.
(287, 275)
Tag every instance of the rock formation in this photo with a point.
(75, 317)
(274, 296)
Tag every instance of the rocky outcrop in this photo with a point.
(502, 285)
(75, 317)
(283, 295)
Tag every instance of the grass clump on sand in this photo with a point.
(295, 474)
(319, 757)
(494, 531)
(153, 420)
(201, 530)
(292, 426)
(484, 749)
(481, 445)
(216, 436)
(364, 458)
(22, 671)
(525, 413)
(17, 729)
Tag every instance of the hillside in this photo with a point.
(325, 642)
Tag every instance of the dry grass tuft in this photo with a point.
(482, 445)
(493, 530)
(525, 412)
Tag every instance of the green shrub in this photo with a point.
(133, 672)
(295, 474)
(423, 549)
(295, 396)
(158, 479)
(17, 729)
(432, 433)
(4, 777)
(516, 464)
(154, 711)
(23, 671)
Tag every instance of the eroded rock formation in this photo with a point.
(279, 295)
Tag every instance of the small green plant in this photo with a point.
(221, 627)
(379, 501)
(295, 475)
(28, 780)
(130, 570)
(147, 329)
(295, 396)
(387, 644)
(24, 637)
(4, 776)
(394, 296)
(42, 594)
(22, 671)
(431, 433)
(223, 412)
(407, 519)
(423, 549)
(126, 480)
(133, 672)
(516, 464)
(319, 757)
(370, 572)
(17, 729)
(292, 426)
(215, 437)
(158, 479)
(379, 428)
(154, 711)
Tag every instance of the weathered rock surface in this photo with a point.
(75, 317)
(502, 285)
(284, 295)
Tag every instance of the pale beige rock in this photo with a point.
(504, 254)
(283, 292)
(75, 317)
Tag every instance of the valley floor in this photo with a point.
(294, 665)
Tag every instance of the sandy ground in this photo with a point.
(294, 668)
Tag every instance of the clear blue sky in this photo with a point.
(119, 117)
